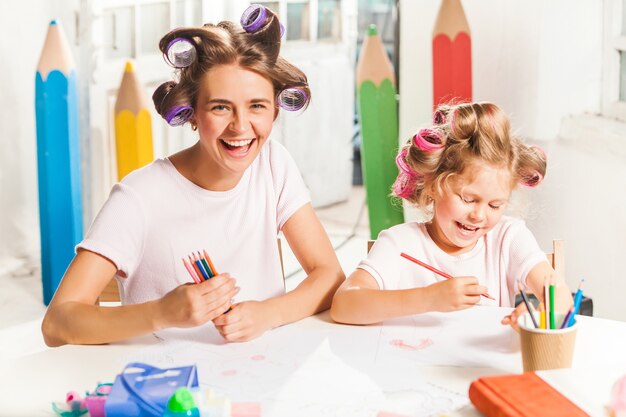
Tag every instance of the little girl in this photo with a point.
(462, 170)
(229, 194)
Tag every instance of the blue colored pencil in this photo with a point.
(200, 267)
(58, 159)
(206, 266)
(577, 300)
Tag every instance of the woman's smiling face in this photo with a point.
(234, 114)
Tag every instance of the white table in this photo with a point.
(316, 367)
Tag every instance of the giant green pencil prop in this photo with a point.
(378, 115)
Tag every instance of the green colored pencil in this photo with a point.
(552, 321)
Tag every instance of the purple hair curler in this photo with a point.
(292, 99)
(253, 19)
(178, 115)
(180, 53)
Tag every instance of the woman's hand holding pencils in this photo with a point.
(191, 305)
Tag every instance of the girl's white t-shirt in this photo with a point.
(155, 217)
(505, 254)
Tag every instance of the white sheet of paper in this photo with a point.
(317, 368)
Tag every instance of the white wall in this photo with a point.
(541, 61)
(320, 138)
(24, 29)
(319, 135)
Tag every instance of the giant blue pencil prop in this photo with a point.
(58, 160)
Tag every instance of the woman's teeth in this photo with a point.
(237, 143)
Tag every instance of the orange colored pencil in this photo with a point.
(208, 259)
(195, 267)
(436, 271)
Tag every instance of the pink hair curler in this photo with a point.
(439, 118)
(531, 180)
(404, 185)
(428, 140)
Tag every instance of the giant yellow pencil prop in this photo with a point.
(133, 125)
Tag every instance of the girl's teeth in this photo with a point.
(468, 228)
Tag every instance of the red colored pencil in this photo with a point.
(436, 271)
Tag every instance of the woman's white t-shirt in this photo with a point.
(155, 217)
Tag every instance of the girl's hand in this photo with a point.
(511, 319)
(245, 321)
(191, 305)
(455, 294)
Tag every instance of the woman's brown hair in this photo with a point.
(223, 44)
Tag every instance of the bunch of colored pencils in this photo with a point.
(199, 266)
(547, 308)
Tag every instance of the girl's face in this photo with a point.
(234, 114)
(471, 205)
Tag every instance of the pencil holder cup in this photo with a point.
(546, 348)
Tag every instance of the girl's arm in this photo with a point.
(360, 301)
(536, 279)
(310, 244)
(535, 282)
(74, 316)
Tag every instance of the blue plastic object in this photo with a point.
(147, 391)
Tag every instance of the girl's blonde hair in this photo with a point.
(462, 136)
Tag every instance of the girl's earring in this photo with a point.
(194, 127)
